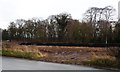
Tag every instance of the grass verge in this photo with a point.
(104, 62)
(19, 54)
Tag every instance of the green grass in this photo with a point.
(28, 55)
(71, 61)
(104, 62)
(0, 52)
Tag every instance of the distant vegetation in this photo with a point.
(96, 27)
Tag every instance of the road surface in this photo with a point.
(9, 63)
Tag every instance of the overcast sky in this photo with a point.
(10, 10)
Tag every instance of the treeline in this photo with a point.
(96, 27)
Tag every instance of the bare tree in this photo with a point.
(95, 15)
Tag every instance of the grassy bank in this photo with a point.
(19, 54)
(103, 62)
(90, 56)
